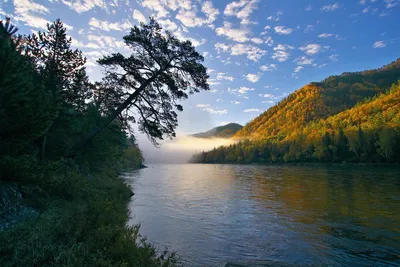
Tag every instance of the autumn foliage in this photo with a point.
(353, 117)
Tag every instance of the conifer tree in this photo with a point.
(25, 109)
(62, 68)
(160, 71)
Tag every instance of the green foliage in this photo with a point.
(82, 205)
(82, 223)
(26, 112)
(161, 71)
(61, 67)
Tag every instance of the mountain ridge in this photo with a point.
(318, 100)
(224, 131)
(353, 117)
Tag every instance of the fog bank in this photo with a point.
(180, 149)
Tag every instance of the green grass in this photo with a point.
(81, 222)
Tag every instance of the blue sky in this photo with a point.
(257, 52)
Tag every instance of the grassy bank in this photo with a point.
(81, 221)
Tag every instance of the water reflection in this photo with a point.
(295, 215)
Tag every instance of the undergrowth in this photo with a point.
(81, 222)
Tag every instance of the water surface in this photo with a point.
(288, 214)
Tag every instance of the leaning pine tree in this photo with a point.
(160, 71)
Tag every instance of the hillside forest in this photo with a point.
(353, 117)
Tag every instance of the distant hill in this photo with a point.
(225, 131)
(319, 100)
(353, 117)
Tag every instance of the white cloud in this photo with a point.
(253, 53)
(28, 12)
(235, 102)
(311, 49)
(257, 40)
(222, 47)
(244, 90)
(269, 67)
(283, 30)
(320, 66)
(391, 3)
(267, 95)
(268, 102)
(239, 35)
(366, 10)
(283, 47)
(308, 8)
(281, 54)
(109, 26)
(85, 5)
(379, 44)
(213, 82)
(273, 18)
(298, 69)
(331, 7)
(240, 91)
(157, 6)
(209, 109)
(106, 42)
(202, 105)
(223, 76)
(210, 11)
(241, 9)
(252, 110)
(308, 28)
(269, 41)
(179, 34)
(138, 16)
(216, 111)
(251, 77)
(189, 18)
(188, 14)
(304, 61)
(334, 57)
(325, 35)
(168, 24)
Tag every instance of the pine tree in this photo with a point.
(25, 109)
(64, 75)
(161, 71)
(62, 68)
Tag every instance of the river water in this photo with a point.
(296, 215)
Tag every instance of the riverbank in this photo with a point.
(372, 164)
(78, 220)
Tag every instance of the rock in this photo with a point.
(12, 207)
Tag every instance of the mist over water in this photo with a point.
(180, 149)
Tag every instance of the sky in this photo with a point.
(256, 51)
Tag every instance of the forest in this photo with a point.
(65, 140)
(353, 117)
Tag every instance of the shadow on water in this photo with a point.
(339, 215)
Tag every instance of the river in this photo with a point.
(297, 215)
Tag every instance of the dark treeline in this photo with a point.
(64, 139)
(368, 132)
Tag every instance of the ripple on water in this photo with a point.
(284, 214)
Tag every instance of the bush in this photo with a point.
(82, 223)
